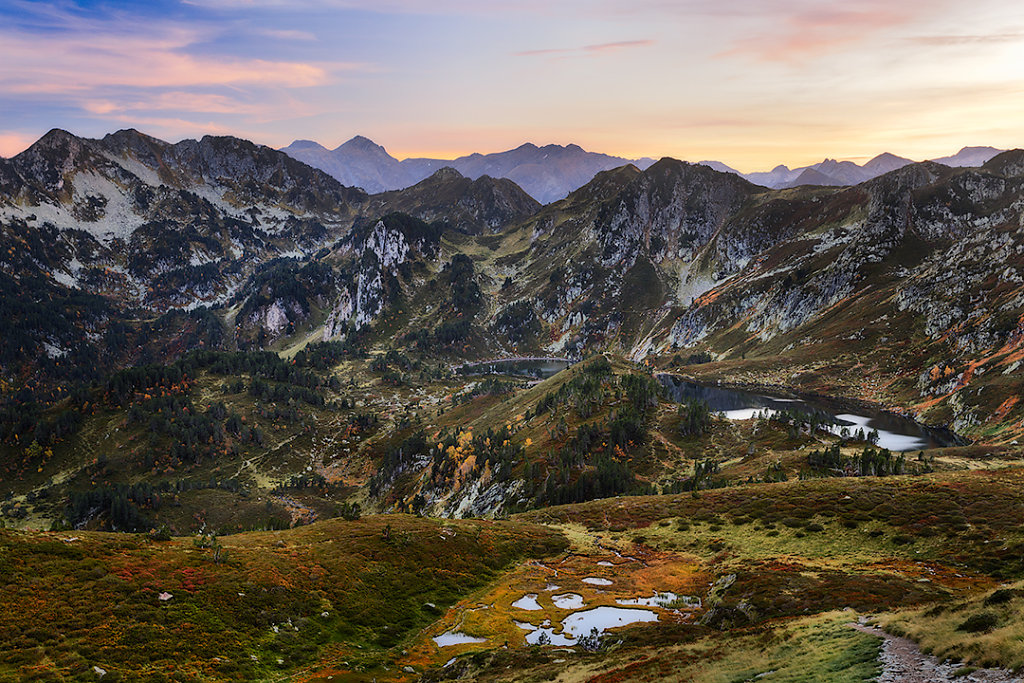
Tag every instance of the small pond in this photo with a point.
(656, 600)
(597, 581)
(527, 602)
(603, 618)
(578, 624)
(456, 638)
(568, 601)
(534, 368)
(894, 432)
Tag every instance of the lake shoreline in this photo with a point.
(780, 391)
(489, 367)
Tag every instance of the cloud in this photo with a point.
(12, 143)
(592, 49)
(208, 103)
(288, 34)
(172, 127)
(172, 77)
(989, 39)
(107, 70)
(79, 63)
(464, 7)
(796, 30)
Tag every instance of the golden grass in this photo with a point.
(983, 630)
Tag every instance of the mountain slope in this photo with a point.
(636, 262)
(469, 206)
(215, 340)
(148, 226)
(904, 271)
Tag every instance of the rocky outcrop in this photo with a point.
(473, 207)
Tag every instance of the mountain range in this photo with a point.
(361, 436)
(551, 172)
(547, 173)
(226, 238)
(839, 173)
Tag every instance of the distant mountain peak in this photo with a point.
(126, 133)
(885, 162)
(446, 173)
(360, 142)
(719, 166)
(54, 138)
(546, 173)
(56, 134)
(969, 156)
(305, 144)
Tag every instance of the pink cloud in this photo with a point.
(161, 78)
(988, 39)
(94, 55)
(83, 63)
(174, 101)
(797, 30)
(172, 127)
(284, 34)
(466, 7)
(12, 143)
(596, 48)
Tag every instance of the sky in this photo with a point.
(751, 83)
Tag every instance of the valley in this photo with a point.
(443, 432)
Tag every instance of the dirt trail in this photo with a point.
(903, 662)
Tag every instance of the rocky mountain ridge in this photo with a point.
(841, 173)
(546, 173)
(244, 247)
(483, 205)
(551, 172)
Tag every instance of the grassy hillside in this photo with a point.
(761, 578)
(242, 607)
(230, 442)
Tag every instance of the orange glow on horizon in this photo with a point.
(748, 84)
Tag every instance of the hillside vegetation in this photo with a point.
(257, 425)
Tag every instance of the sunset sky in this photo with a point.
(751, 83)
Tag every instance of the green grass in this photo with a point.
(950, 516)
(816, 649)
(69, 605)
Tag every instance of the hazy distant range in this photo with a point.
(551, 172)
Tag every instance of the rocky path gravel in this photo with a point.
(903, 662)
